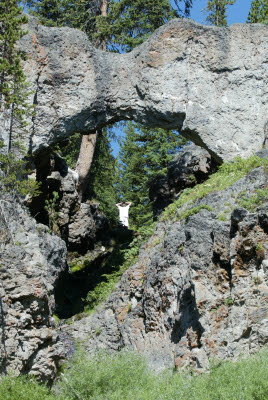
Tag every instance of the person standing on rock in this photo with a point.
(123, 208)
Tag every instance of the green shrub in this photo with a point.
(23, 388)
(125, 376)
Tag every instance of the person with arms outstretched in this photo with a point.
(123, 208)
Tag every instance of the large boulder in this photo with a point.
(191, 166)
(208, 82)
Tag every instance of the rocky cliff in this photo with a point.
(208, 82)
(199, 288)
(31, 262)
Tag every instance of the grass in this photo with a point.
(227, 174)
(254, 201)
(195, 210)
(126, 376)
(23, 388)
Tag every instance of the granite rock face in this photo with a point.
(208, 82)
(198, 289)
(191, 166)
(31, 263)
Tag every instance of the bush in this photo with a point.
(126, 376)
(23, 388)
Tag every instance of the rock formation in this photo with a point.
(81, 225)
(208, 82)
(31, 263)
(191, 166)
(198, 289)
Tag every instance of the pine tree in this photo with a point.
(145, 153)
(80, 14)
(103, 176)
(13, 86)
(258, 12)
(216, 11)
(49, 12)
(130, 22)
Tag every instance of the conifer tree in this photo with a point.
(258, 12)
(145, 153)
(130, 22)
(102, 173)
(13, 86)
(216, 11)
(49, 12)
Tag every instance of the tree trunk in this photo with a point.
(11, 128)
(84, 162)
(88, 143)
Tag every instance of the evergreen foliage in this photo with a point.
(49, 12)
(13, 86)
(216, 11)
(130, 22)
(80, 14)
(145, 154)
(103, 176)
(127, 24)
(102, 173)
(13, 176)
(258, 12)
(70, 150)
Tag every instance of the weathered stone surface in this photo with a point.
(31, 263)
(191, 166)
(208, 82)
(197, 291)
(81, 225)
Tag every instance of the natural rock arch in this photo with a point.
(210, 83)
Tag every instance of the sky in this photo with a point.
(237, 14)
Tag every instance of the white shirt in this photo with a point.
(123, 214)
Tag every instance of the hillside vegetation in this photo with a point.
(127, 377)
